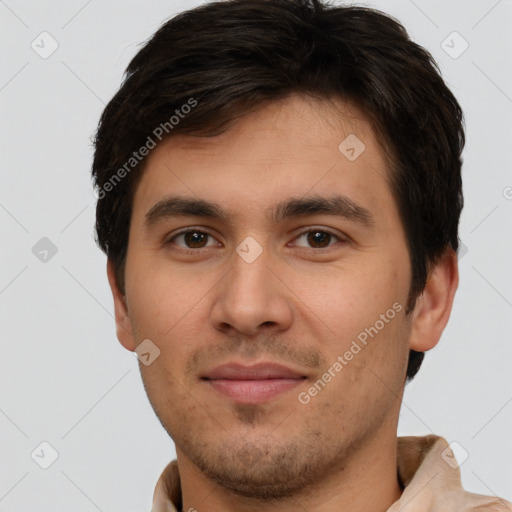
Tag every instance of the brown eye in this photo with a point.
(318, 238)
(192, 239)
(195, 239)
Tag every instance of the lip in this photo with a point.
(252, 384)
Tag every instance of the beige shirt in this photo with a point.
(426, 466)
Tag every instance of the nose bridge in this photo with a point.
(249, 282)
(251, 267)
(250, 295)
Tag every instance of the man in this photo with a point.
(279, 193)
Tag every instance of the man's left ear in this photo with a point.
(434, 305)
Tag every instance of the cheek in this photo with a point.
(372, 371)
(165, 391)
(160, 297)
(350, 296)
(362, 313)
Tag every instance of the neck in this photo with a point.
(371, 468)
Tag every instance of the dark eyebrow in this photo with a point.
(337, 205)
(176, 206)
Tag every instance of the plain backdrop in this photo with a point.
(65, 378)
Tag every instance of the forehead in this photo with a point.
(285, 148)
(277, 125)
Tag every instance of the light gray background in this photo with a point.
(66, 379)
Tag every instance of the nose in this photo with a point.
(252, 297)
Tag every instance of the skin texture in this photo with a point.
(297, 304)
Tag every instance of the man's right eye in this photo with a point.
(192, 238)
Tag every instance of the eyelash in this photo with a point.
(304, 232)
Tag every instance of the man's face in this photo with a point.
(300, 291)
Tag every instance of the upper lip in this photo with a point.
(260, 371)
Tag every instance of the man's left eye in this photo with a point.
(318, 238)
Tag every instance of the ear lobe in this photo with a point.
(434, 305)
(123, 324)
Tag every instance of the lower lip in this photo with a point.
(253, 391)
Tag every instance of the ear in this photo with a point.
(433, 307)
(123, 324)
